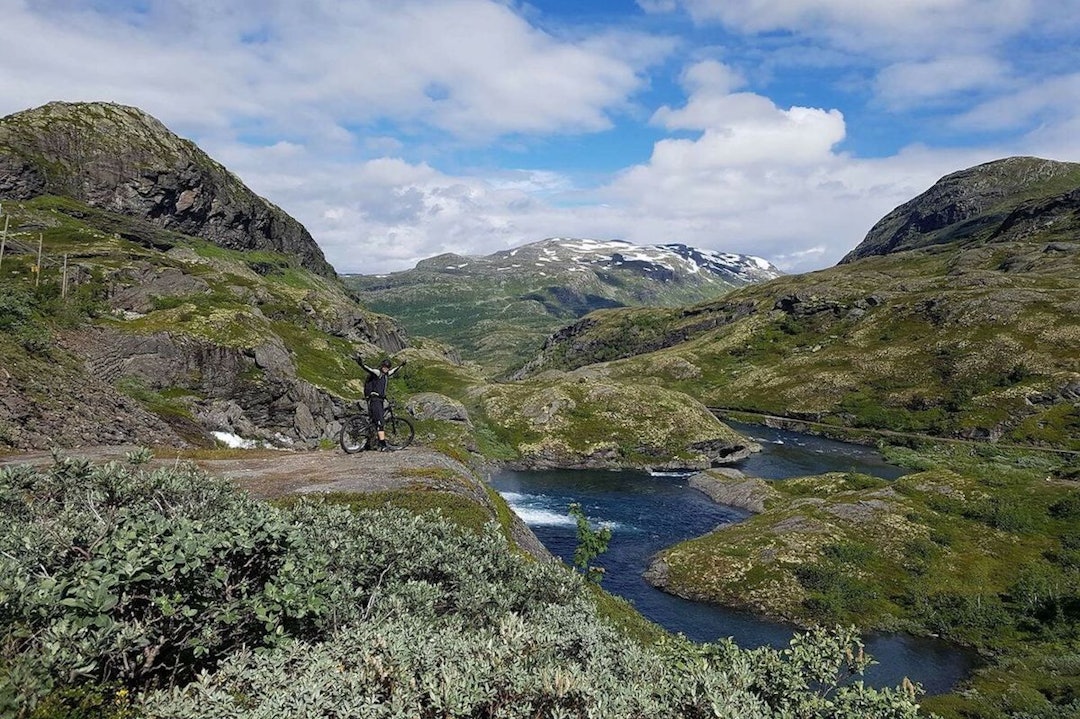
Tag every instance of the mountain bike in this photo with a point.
(359, 433)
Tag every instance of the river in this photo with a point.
(648, 513)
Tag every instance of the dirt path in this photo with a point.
(269, 473)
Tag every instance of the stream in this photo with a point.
(648, 513)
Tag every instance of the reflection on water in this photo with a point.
(648, 513)
(790, 454)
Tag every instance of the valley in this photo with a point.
(175, 303)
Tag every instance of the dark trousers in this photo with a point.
(376, 410)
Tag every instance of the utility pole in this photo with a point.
(37, 267)
(63, 286)
(3, 239)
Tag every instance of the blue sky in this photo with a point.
(399, 130)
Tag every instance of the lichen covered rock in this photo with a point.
(590, 422)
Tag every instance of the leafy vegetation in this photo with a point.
(128, 592)
(977, 546)
(591, 544)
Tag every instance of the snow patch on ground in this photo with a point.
(233, 441)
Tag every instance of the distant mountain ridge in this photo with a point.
(667, 262)
(498, 308)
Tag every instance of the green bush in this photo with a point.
(169, 594)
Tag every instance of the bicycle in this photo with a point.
(358, 433)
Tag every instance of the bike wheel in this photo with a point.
(399, 433)
(354, 435)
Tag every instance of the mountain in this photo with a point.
(1002, 201)
(170, 302)
(966, 327)
(497, 309)
(120, 159)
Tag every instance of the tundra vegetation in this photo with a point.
(976, 545)
(126, 592)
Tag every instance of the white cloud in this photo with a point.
(1046, 102)
(469, 67)
(912, 83)
(739, 128)
(902, 28)
(314, 105)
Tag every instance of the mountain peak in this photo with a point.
(657, 261)
(1007, 199)
(120, 158)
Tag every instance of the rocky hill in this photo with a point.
(498, 308)
(120, 159)
(966, 327)
(1004, 201)
(171, 301)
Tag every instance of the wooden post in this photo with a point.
(37, 269)
(3, 239)
(63, 285)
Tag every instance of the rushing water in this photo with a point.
(648, 513)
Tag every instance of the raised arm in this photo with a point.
(360, 361)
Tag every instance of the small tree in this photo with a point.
(591, 544)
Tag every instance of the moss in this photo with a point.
(322, 359)
(419, 500)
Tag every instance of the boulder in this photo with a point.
(432, 405)
(731, 487)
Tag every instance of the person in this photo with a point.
(375, 392)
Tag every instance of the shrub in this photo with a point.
(199, 601)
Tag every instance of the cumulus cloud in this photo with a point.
(468, 67)
(1046, 102)
(343, 113)
(740, 128)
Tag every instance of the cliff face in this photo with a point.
(1007, 200)
(120, 159)
(169, 300)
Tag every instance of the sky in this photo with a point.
(396, 130)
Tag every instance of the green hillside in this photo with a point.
(498, 309)
(130, 333)
(974, 338)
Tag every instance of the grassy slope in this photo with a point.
(979, 547)
(948, 342)
(253, 296)
(499, 319)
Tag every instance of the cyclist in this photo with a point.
(375, 392)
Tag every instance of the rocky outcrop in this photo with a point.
(805, 303)
(432, 405)
(252, 393)
(51, 402)
(731, 487)
(614, 337)
(120, 159)
(1008, 199)
(586, 421)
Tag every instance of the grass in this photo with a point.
(980, 546)
(418, 499)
